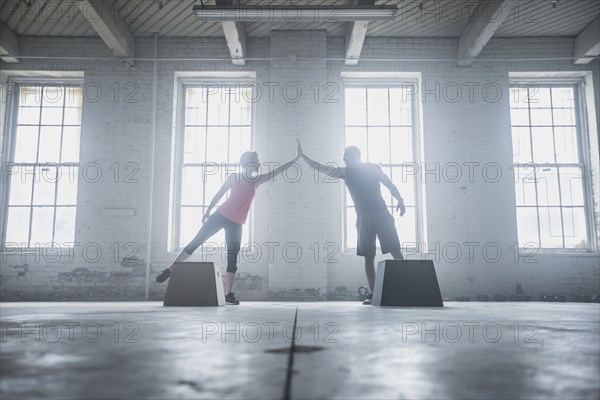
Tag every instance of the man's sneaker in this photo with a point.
(367, 301)
(231, 300)
(163, 276)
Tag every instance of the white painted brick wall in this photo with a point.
(302, 212)
(297, 115)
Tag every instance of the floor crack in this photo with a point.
(290, 366)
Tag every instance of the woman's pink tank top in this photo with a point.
(237, 205)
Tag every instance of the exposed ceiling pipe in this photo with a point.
(273, 13)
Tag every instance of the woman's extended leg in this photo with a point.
(212, 225)
(181, 257)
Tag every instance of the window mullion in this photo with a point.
(390, 143)
(367, 121)
(560, 203)
(228, 123)
(537, 204)
(35, 168)
(62, 128)
(204, 205)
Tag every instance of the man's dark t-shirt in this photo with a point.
(363, 185)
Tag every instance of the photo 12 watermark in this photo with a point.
(469, 332)
(69, 332)
(269, 331)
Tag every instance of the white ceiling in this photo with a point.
(175, 18)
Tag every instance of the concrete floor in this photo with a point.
(343, 350)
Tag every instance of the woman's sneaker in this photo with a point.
(163, 276)
(231, 300)
(367, 301)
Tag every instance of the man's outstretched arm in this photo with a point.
(393, 190)
(334, 172)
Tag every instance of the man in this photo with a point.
(372, 216)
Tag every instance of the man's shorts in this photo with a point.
(374, 224)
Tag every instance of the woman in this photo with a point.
(231, 215)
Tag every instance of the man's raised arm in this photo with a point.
(334, 172)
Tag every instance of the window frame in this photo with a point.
(394, 83)
(179, 148)
(9, 141)
(583, 151)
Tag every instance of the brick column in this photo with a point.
(298, 210)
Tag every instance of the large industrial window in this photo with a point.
(550, 169)
(381, 122)
(217, 129)
(43, 164)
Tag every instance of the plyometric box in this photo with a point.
(407, 283)
(195, 284)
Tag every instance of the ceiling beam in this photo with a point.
(587, 43)
(9, 44)
(235, 35)
(355, 38)
(111, 29)
(487, 18)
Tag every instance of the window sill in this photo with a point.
(544, 252)
(548, 252)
